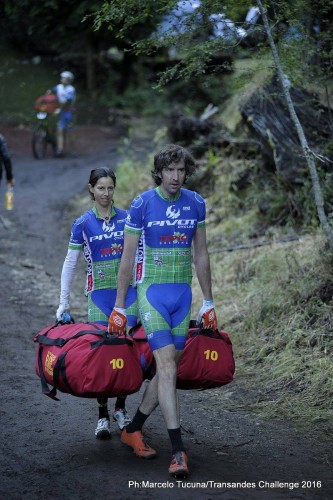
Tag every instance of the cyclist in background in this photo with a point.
(66, 95)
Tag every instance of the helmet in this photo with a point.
(67, 74)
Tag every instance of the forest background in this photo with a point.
(200, 74)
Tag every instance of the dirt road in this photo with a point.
(48, 448)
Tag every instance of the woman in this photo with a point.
(99, 234)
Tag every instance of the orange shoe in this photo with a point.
(178, 466)
(140, 447)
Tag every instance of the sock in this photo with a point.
(137, 423)
(120, 403)
(176, 440)
(103, 408)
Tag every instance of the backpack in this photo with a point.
(84, 360)
(48, 103)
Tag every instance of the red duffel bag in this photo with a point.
(84, 360)
(207, 360)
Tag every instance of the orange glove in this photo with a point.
(207, 316)
(117, 321)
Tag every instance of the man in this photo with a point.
(159, 231)
(5, 159)
(66, 96)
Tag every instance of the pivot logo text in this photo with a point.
(100, 237)
(178, 222)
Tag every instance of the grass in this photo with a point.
(276, 302)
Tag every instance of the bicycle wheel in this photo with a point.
(39, 142)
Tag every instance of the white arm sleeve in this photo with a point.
(67, 275)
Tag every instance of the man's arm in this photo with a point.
(207, 316)
(117, 320)
(5, 157)
(202, 263)
(125, 272)
(9, 171)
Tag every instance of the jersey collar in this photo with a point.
(112, 212)
(160, 193)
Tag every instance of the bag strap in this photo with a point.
(45, 388)
(60, 367)
(42, 339)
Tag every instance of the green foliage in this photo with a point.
(123, 16)
(279, 203)
(304, 38)
(21, 82)
(131, 169)
(135, 99)
(300, 46)
(47, 26)
(197, 60)
(193, 45)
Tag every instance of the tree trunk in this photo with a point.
(304, 144)
(90, 69)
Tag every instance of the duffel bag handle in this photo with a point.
(111, 339)
(216, 334)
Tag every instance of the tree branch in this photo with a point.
(303, 141)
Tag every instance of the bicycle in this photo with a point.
(44, 131)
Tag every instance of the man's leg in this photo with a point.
(132, 434)
(155, 301)
(60, 140)
(163, 384)
(166, 361)
(70, 141)
(162, 390)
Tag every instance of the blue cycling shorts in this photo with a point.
(165, 311)
(101, 303)
(65, 120)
